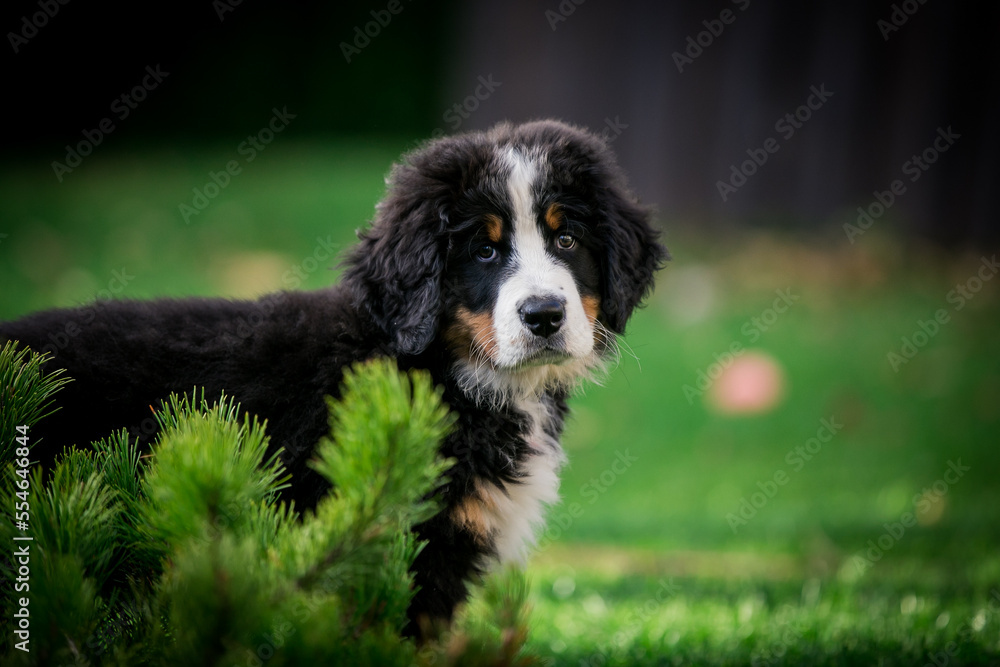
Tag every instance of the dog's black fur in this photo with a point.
(281, 355)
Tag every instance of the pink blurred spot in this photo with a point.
(753, 383)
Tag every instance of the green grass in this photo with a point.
(627, 619)
(646, 568)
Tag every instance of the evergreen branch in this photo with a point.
(26, 393)
(188, 557)
(210, 467)
(382, 458)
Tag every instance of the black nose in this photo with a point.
(543, 316)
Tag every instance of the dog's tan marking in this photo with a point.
(472, 335)
(489, 512)
(591, 306)
(494, 227)
(506, 518)
(470, 514)
(554, 217)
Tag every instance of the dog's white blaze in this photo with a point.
(536, 274)
(515, 516)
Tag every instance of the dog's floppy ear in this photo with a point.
(632, 254)
(395, 272)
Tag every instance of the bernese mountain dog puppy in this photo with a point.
(504, 262)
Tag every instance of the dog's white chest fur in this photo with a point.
(512, 517)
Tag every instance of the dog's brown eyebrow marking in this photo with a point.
(553, 217)
(494, 227)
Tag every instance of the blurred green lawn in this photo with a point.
(640, 564)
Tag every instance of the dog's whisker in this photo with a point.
(621, 343)
(480, 348)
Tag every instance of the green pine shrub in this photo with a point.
(187, 557)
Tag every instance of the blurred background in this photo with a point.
(796, 457)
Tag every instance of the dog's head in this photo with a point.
(520, 249)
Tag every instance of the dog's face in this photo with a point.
(519, 249)
(522, 282)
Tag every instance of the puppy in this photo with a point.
(504, 262)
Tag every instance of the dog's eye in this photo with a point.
(486, 253)
(565, 241)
